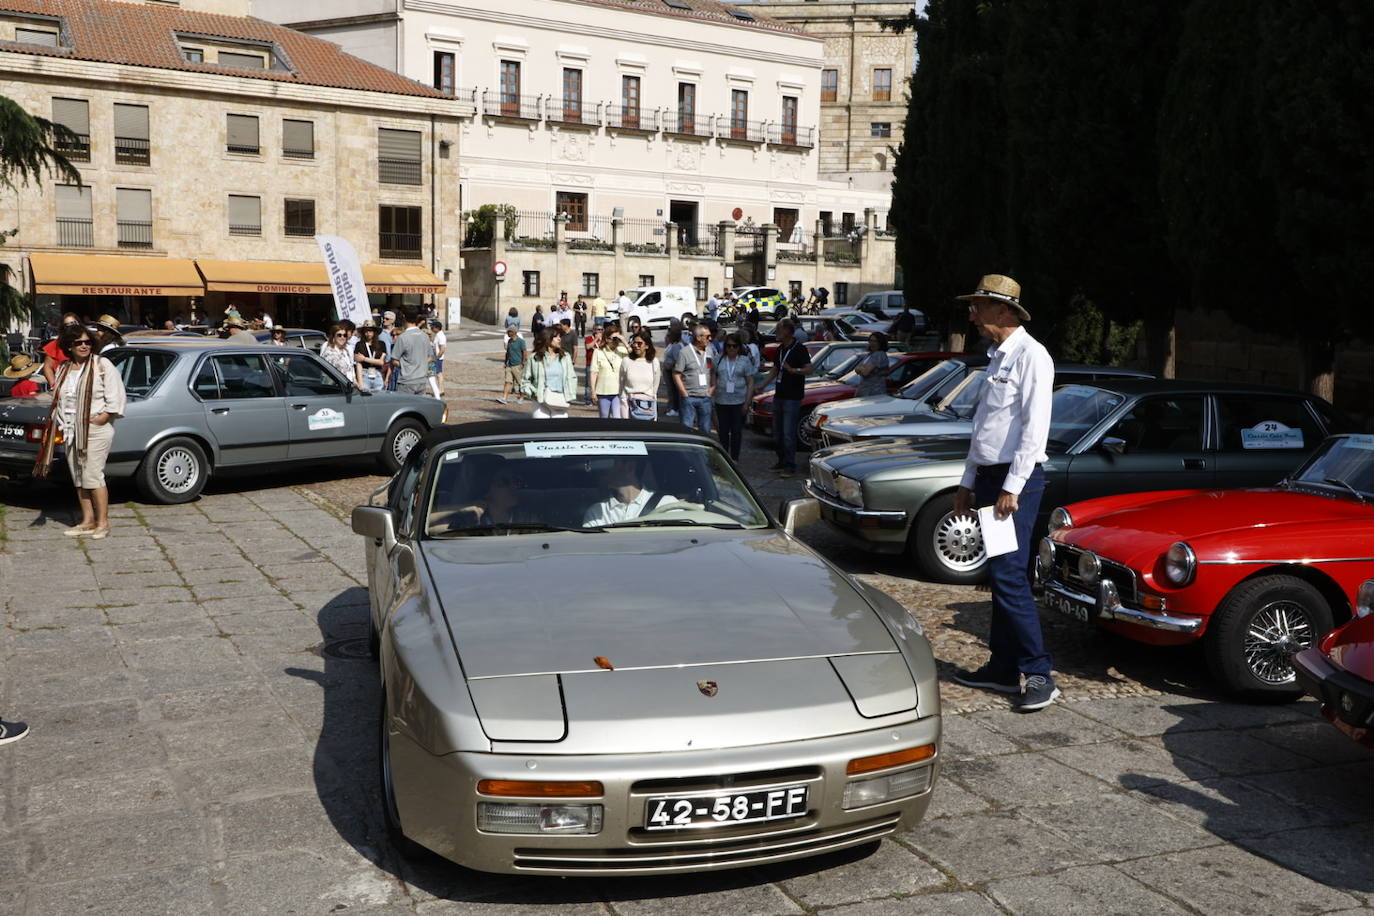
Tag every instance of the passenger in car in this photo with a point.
(629, 498)
(489, 490)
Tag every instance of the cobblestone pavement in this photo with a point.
(203, 722)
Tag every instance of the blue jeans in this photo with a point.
(372, 379)
(1016, 641)
(608, 406)
(731, 417)
(696, 413)
(786, 417)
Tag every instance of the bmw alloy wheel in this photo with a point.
(959, 542)
(178, 470)
(405, 440)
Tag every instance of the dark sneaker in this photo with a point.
(787, 472)
(984, 679)
(1039, 692)
(12, 731)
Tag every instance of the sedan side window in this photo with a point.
(304, 376)
(1257, 421)
(243, 375)
(206, 384)
(1162, 424)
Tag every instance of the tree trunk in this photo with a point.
(1161, 341)
(1319, 368)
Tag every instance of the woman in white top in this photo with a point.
(337, 353)
(640, 374)
(89, 398)
(605, 375)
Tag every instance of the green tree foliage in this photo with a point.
(484, 221)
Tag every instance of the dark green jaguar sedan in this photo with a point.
(897, 494)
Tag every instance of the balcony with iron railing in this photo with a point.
(511, 107)
(571, 112)
(245, 228)
(134, 233)
(244, 149)
(76, 147)
(687, 124)
(741, 131)
(75, 233)
(625, 117)
(792, 135)
(400, 245)
(399, 171)
(299, 230)
(302, 153)
(132, 151)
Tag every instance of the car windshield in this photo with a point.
(141, 368)
(1075, 409)
(923, 385)
(1344, 463)
(846, 367)
(585, 486)
(958, 396)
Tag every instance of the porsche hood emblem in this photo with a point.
(708, 688)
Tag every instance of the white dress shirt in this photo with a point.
(1011, 424)
(613, 510)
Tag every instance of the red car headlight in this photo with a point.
(1364, 599)
(1180, 564)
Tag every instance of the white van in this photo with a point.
(655, 306)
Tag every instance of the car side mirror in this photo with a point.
(375, 522)
(798, 513)
(1114, 445)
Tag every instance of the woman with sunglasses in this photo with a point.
(550, 380)
(278, 337)
(733, 378)
(336, 353)
(369, 358)
(640, 375)
(52, 350)
(605, 370)
(89, 398)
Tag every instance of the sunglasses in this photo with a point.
(85, 341)
(341, 334)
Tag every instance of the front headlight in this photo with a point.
(1364, 599)
(1089, 567)
(818, 419)
(1060, 518)
(849, 490)
(1180, 563)
(1046, 556)
(506, 817)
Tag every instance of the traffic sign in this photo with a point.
(499, 268)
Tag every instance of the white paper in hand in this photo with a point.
(999, 534)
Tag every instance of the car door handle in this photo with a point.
(299, 406)
(219, 410)
(1194, 464)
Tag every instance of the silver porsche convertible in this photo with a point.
(599, 655)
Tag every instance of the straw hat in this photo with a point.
(109, 323)
(1002, 289)
(234, 321)
(21, 366)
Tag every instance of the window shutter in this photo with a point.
(73, 114)
(245, 211)
(243, 131)
(36, 37)
(73, 202)
(398, 144)
(134, 205)
(298, 136)
(241, 61)
(131, 121)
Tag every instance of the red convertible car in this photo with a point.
(1258, 575)
(1340, 672)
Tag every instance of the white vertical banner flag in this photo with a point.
(346, 278)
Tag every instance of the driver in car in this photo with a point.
(628, 499)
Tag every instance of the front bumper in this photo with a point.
(437, 801)
(881, 530)
(1106, 605)
(1347, 699)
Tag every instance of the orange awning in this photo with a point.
(111, 275)
(310, 277)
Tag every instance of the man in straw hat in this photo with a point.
(106, 329)
(238, 331)
(22, 367)
(1004, 470)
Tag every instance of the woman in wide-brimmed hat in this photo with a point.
(107, 327)
(22, 367)
(87, 399)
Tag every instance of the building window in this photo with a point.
(298, 139)
(299, 218)
(830, 83)
(827, 222)
(785, 218)
(245, 215)
(74, 227)
(75, 115)
(882, 85)
(793, 288)
(880, 129)
(510, 88)
(194, 55)
(134, 217)
(445, 72)
(846, 223)
(398, 156)
(575, 206)
(701, 288)
(241, 61)
(591, 284)
(131, 134)
(400, 232)
(686, 108)
(739, 114)
(242, 135)
(529, 282)
(841, 293)
(629, 101)
(646, 280)
(572, 95)
(789, 120)
(45, 37)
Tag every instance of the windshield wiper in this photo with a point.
(668, 523)
(1341, 483)
(512, 526)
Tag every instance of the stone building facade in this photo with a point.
(189, 152)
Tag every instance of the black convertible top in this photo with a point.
(572, 426)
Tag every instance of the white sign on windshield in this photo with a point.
(558, 449)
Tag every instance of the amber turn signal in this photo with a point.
(894, 759)
(519, 788)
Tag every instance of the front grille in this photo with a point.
(733, 782)
(823, 478)
(728, 851)
(1066, 571)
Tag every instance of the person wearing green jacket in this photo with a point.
(550, 380)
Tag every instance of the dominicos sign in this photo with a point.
(345, 278)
